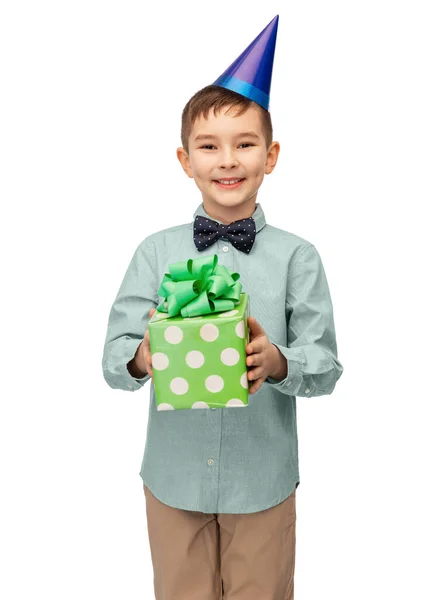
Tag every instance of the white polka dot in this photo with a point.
(235, 402)
(209, 332)
(240, 329)
(179, 385)
(195, 359)
(214, 383)
(173, 334)
(228, 313)
(230, 356)
(192, 318)
(165, 406)
(160, 361)
(200, 404)
(244, 380)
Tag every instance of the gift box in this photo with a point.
(198, 337)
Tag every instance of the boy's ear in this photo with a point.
(183, 158)
(272, 157)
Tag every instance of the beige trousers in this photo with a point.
(200, 556)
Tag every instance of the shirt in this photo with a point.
(231, 460)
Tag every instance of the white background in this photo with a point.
(91, 99)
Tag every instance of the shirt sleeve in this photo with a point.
(128, 319)
(313, 367)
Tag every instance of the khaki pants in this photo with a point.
(200, 556)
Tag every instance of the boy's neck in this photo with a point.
(228, 215)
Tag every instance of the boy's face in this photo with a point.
(228, 147)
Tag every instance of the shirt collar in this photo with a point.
(258, 215)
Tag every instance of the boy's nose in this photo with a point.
(229, 161)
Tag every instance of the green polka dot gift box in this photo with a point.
(198, 337)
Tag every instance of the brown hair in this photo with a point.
(216, 97)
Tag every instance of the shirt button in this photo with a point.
(225, 249)
(210, 461)
(306, 391)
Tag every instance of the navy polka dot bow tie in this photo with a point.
(241, 233)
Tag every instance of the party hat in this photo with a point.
(250, 74)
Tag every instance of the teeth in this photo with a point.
(229, 182)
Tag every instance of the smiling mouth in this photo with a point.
(229, 184)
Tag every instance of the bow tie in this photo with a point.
(241, 233)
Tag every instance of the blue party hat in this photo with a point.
(251, 73)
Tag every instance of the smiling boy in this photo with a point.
(233, 146)
(220, 484)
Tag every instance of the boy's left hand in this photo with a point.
(265, 358)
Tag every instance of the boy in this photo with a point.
(220, 484)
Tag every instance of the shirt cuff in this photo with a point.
(118, 376)
(294, 380)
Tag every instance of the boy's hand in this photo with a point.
(143, 357)
(265, 358)
(147, 349)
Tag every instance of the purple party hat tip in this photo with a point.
(251, 73)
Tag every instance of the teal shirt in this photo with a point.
(231, 460)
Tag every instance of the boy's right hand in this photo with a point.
(143, 358)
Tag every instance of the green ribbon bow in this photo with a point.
(199, 286)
